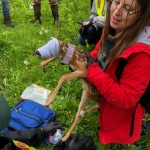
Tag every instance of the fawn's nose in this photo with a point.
(37, 53)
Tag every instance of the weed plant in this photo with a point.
(18, 45)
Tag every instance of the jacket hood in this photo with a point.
(144, 37)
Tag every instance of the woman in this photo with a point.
(125, 37)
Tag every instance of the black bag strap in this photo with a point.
(132, 121)
(119, 70)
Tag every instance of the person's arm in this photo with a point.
(99, 22)
(133, 82)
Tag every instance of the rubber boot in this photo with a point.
(91, 3)
(7, 20)
(54, 9)
(37, 14)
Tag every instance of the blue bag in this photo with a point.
(29, 114)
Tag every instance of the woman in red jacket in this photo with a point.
(125, 37)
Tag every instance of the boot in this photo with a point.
(7, 20)
(37, 14)
(54, 9)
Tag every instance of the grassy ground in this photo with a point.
(18, 45)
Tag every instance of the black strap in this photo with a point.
(119, 70)
(132, 121)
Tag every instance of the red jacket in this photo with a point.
(119, 100)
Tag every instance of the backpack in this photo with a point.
(76, 142)
(144, 100)
(29, 114)
(23, 146)
(9, 144)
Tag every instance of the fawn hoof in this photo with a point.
(43, 68)
(82, 113)
(64, 138)
(47, 104)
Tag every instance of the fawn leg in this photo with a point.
(84, 99)
(95, 99)
(64, 78)
(96, 107)
(79, 115)
(76, 120)
(45, 62)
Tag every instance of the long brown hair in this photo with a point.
(127, 37)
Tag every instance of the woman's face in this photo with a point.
(123, 13)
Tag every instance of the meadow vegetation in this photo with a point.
(18, 45)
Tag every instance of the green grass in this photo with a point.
(19, 44)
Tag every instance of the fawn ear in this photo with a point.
(62, 45)
(51, 38)
(60, 42)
